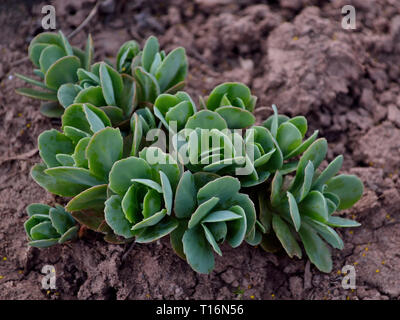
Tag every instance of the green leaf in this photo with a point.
(43, 243)
(316, 154)
(197, 250)
(89, 53)
(92, 198)
(265, 214)
(115, 217)
(150, 49)
(79, 176)
(51, 142)
(276, 186)
(202, 211)
(232, 90)
(237, 228)
(151, 203)
(211, 240)
(65, 160)
(300, 123)
(49, 55)
(348, 188)
(111, 83)
(61, 220)
(58, 186)
(123, 171)
(93, 95)
(80, 153)
(51, 109)
(176, 238)
(161, 229)
(148, 85)
(92, 219)
(150, 221)
(303, 147)
(41, 95)
(70, 234)
(131, 203)
(66, 94)
(128, 95)
(314, 205)
(294, 211)
(167, 192)
(65, 44)
(286, 237)
(62, 71)
(32, 81)
(308, 177)
(104, 149)
(288, 137)
(339, 222)
(221, 215)
(327, 233)
(236, 118)
(224, 189)
(43, 230)
(185, 198)
(37, 208)
(171, 67)
(75, 134)
(206, 119)
(316, 249)
(330, 171)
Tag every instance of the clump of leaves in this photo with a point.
(234, 102)
(211, 211)
(69, 76)
(202, 189)
(141, 204)
(57, 63)
(47, 226)
(301, 207)
(156, 72)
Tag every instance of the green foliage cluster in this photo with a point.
(262, 185)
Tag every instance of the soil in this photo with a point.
(291, 53)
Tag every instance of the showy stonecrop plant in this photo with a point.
(220, 179)
(300, 207)
(69, 76)
(57, 63)
(211, 211)
(47, 226)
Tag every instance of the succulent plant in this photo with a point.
(202, 189)
(156, 72)
(179, 108)
(214, 211)
(301, 208)
(57, 63)
(234, 102)
(47, 226)
(143, 188)
(126, 54)
(67, 174)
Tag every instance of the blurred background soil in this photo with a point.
(293, 53)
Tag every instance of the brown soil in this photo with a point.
(291, 53)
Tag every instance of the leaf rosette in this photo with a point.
(142, 199)
(48, 226)
(156, 72)
(234, 102)
(302, 207)
(57, 63)
(175, 109)
(211, 211)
